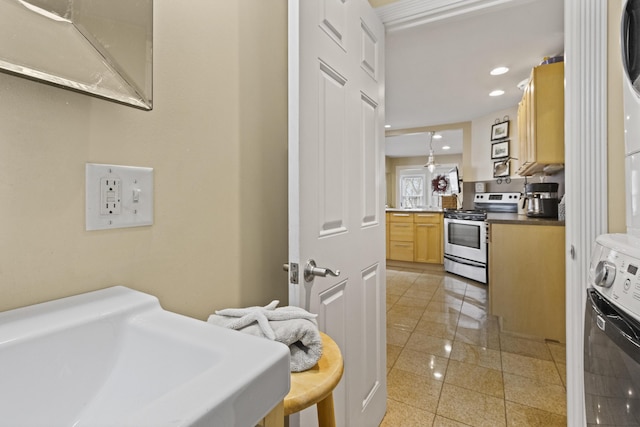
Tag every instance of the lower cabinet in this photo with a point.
(428, 238)
(401, 251)
(387, 237)
(415, 237)
(401, 236)
(527, 279)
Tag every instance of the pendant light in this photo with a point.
(430, 160)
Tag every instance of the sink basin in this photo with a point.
(114, 357)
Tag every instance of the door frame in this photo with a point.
(586, 173)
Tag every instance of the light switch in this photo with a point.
(118, 196)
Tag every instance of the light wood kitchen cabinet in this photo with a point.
(428, 237)
(415, 237)
(401, 236)
(541, 120)
(387, 215)
(527, 279)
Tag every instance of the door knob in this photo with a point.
(311, 270)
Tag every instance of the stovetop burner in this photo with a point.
(469, 215)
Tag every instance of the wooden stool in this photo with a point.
(315, 386)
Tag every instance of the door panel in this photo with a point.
(371, 342)
(333, 315)
(333, 16)
(370, 161)
(332, 152)
(369, 53)
(336, 192)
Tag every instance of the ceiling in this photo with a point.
(439, 54)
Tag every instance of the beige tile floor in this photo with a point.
(449, 365)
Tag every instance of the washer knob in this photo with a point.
(605, 274)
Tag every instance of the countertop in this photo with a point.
(493, 217)
(433, 210)
(514, 218)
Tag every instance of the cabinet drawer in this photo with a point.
(401, 251)
(401, 232)
(427, 218)
(400, 217)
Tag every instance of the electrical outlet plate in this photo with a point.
(118, 196)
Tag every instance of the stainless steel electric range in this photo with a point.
(465, 234)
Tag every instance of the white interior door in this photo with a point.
(336, 191)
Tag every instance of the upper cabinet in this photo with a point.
(541, 121)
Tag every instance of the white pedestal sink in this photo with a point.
(114, 357)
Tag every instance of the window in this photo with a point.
(414, 186)
(412, 191)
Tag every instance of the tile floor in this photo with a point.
(449, 365)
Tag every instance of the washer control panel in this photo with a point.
(615, 271)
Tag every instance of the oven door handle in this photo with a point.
(463, 261)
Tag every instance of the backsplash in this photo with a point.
(516, 185)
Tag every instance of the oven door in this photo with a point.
(466, 239)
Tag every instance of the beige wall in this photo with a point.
(615, 125)
(480, 167)
(216, 139)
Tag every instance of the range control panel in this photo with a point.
(615, 271)
(496, 202)
(496, 197)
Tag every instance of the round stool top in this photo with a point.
(313, 385)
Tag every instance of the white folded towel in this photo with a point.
(292, 326)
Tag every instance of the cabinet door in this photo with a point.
(428, 245)
(549, 114)
(527, 282)
(531, 120)
(541, 120)
(522, 132)
(387, 235)
(400, 232)
(401, 251)
(526, 128)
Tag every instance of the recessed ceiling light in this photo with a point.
(387, 126)
(497, 92)
(499, 70)
(446, 147)
(437, 136)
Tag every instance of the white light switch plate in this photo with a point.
(118, 196)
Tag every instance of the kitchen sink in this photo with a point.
(114, 357)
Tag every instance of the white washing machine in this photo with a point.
(630, 43)
(612, 333)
